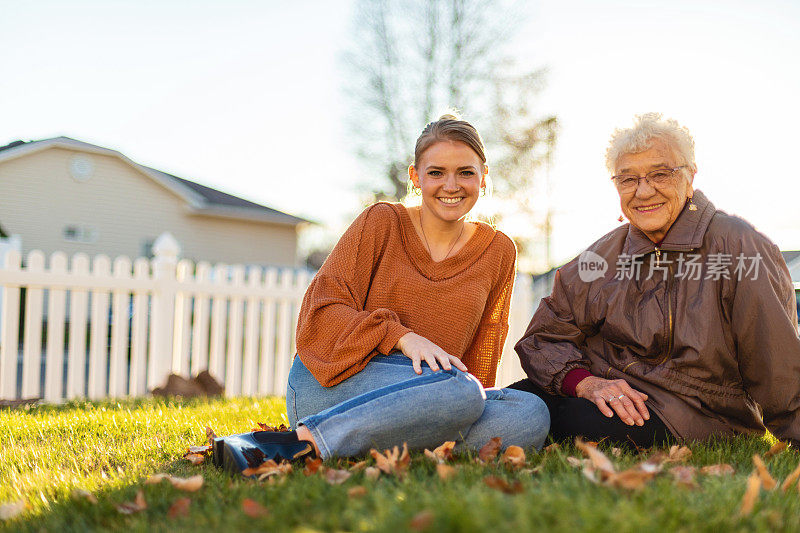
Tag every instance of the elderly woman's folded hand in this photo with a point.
(616, 394)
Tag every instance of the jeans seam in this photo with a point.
(294, 403)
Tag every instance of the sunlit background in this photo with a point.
(249, 97)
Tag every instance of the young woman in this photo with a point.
(403, 326)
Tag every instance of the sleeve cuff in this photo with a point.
(571, 380)
(395, 330)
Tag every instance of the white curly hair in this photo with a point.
(647, 127)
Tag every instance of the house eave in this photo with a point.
(243, 213)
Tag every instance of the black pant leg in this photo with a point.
(578, 417)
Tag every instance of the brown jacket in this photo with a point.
(716, 356)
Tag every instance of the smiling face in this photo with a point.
(450, 175)
(651, 209)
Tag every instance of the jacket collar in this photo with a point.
(685, 234)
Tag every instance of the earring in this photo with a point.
(483, 191)
(692, 207)
(417, 190)
(620, 219)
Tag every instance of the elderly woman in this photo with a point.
(681, 324)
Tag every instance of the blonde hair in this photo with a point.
(647, 127)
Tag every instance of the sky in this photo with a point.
(247, 97)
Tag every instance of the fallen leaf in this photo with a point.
(616, 452)
(791, 478)
(750, 494)
(392, 461)
(267, 427)
(502, 485)
(489, 450)
(767, 481)
(684, 476)
(776, 448)
(312, 466)
(678, 453)
(198, 449)
(210, 435)
(179, 507)
(372, 473)
(11, 510)
(421, 521)
(336, 477)
(574, 462)
(631, 479)
(253, 509)
(268, 468)
(723, 469)
(653, 464)
(441, 453)
(138, 504)
(514, 456)
(531, 471)
(190, 484)
(445, 472)
(85, 494)
(358, 491)
(598, 458)
(357, 467)
(552, 447)
(194, 458)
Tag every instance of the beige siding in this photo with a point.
(126, 209)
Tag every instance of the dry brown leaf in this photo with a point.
(392, 461)
(312, 466)
(750, 494)
(599, 460)
(631, 479)
(489, 450)
(684, 476)
(791, 478)
(502, 485)
(358, 491)
(574, 462)
(723, 469)
(616, 452)
(444, 452)
(357, 467)
(445, 472)
(678, 454)
(198, 449)
(336, 477)
(190, 484)
(372, 473)
(767, 481)
(266, 427)
(85, 494)
(194, 458)
(532, 471)
(421, 521)
(776, 448)
(253, 509)
(552, 447)
(210, 435)
(13, 509)
(179, 507)
(138, 504)
(514, 456)
(268, 468)
(653, 464)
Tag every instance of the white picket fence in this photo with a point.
(119, 330)
(105, 330)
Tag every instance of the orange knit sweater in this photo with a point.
(379, 283)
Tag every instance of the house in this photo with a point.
(61, 194)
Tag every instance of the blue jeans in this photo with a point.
(387, 404)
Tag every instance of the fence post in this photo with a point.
(162, 313)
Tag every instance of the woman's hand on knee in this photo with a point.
(615, 395)
(418, 349)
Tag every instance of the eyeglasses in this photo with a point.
(655, 178)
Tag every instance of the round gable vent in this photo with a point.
(81, 168)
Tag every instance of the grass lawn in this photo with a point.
(110, 448)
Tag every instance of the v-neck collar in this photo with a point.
(685, 234)
(447, 268)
